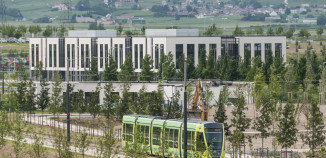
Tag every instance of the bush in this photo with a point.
(42, 20)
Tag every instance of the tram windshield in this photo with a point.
(214, 138)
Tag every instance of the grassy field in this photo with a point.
(14, 49)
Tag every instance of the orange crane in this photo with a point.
(199, 95)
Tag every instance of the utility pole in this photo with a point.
(3, 73)
(185, 112)
(68, 103)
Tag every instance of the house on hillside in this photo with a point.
(60, 6)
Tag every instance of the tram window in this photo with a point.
(167, 137)
(146, 134)
(129, 132)
(200, 143)
(170, 140)
(189, 140)
(175, 138)
(140, 133)
(156, 135)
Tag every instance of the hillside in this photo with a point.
(33, 9)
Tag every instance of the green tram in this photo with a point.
(152, 128)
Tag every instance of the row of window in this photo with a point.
(139, 53)
(268, 46)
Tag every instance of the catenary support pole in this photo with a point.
(185, 112)
(68, 102)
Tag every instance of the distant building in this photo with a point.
(138, 21)
(84, 19)
(272, 19)
(309, 20)
(60, 6)
(83, 46)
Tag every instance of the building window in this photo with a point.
(106, 53)
(101, 56)
(116, 53)
(278, 49)
(141, 54)
(156, 56)
(82, 55)
(257, 49)
(87, 56)
(68, 54)
(50, 55)
(37, 54)
(162, 49)
(55, 55)
(73, 55)
(201, 49)
(62, 54)
(136, 56)
(247, 50)
(178, 54)
(223, 50)
(212, 49)
(121, 54)
(32, 49)
(191, 51)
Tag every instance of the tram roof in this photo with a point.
(164, 118)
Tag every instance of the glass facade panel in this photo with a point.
(73, 55)
(101, 56)
(68, 54)
(82, 55)
(106, 53)
(201, 49)
(62, 54)
(50, 55)
(121, 54)
(136, 56)
(247, 50)
(33, 55)
(87, 56)
(191, 51)
(156, 56)
(116, 53)
(257, 49)
(37, 54)
(141, 54)
(278, 49)
(212, 49)
(55, 55)
(178, 54)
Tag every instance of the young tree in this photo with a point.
(175, 107)
(127, 70)
(169, 70)
(62, 31)
(270, 31)
(37, 149)
(4, 127)
(259, 30)
(61, 144)
(17, 133)
(56, 97)
(123, 107)
(93, 71)
(286, 135)
(43, 98)
(30, 97)
(93, 105)
(110, 71)
(35, 29)
(279, 30)
(201, 64)
(21, 88)
(107, 146)
(48, 31)
(220, 114)
(156, 107)
(147, 73)
(209, 71)
(263, 122)
(213, 31)
(239, 121)
(79, 102)
(319, 31)
(304, 33)
(141, 102)
(82, 142)
(238, 31)
(315, 125)
(110, 100)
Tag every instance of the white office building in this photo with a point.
(80, 47)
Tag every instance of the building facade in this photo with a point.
(80, 47)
